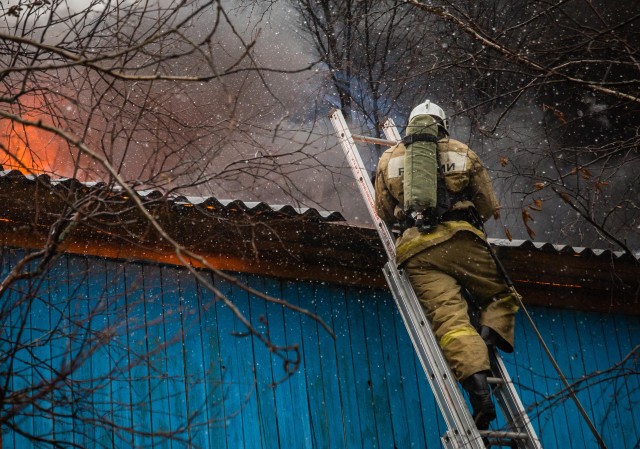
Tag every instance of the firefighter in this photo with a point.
(445, 251)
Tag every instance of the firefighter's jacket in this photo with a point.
(462, 170)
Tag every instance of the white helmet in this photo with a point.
(428, 108)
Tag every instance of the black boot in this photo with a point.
(480, 396)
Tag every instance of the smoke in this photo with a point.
(279, 120)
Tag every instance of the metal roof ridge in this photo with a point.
(181, 199)
(250, 205)
(559, 248)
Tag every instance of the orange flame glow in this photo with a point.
(30, 149)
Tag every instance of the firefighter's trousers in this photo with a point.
(437, 275)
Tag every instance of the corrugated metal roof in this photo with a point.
(211, 203)
(258, 207)
(562, 249)
(229, 206)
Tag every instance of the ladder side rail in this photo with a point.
(448, 396)
(364, 184)
(462, 430)
(390, 131)
(511, 405)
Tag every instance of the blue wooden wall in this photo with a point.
(159, 363)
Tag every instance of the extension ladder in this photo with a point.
(462, 431)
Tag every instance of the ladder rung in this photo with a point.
(495, 380)
(503, 435)
(375, 140)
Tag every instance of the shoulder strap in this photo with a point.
(408, 140)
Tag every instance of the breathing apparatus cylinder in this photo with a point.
(420, 181)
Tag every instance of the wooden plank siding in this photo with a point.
(163, 363)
